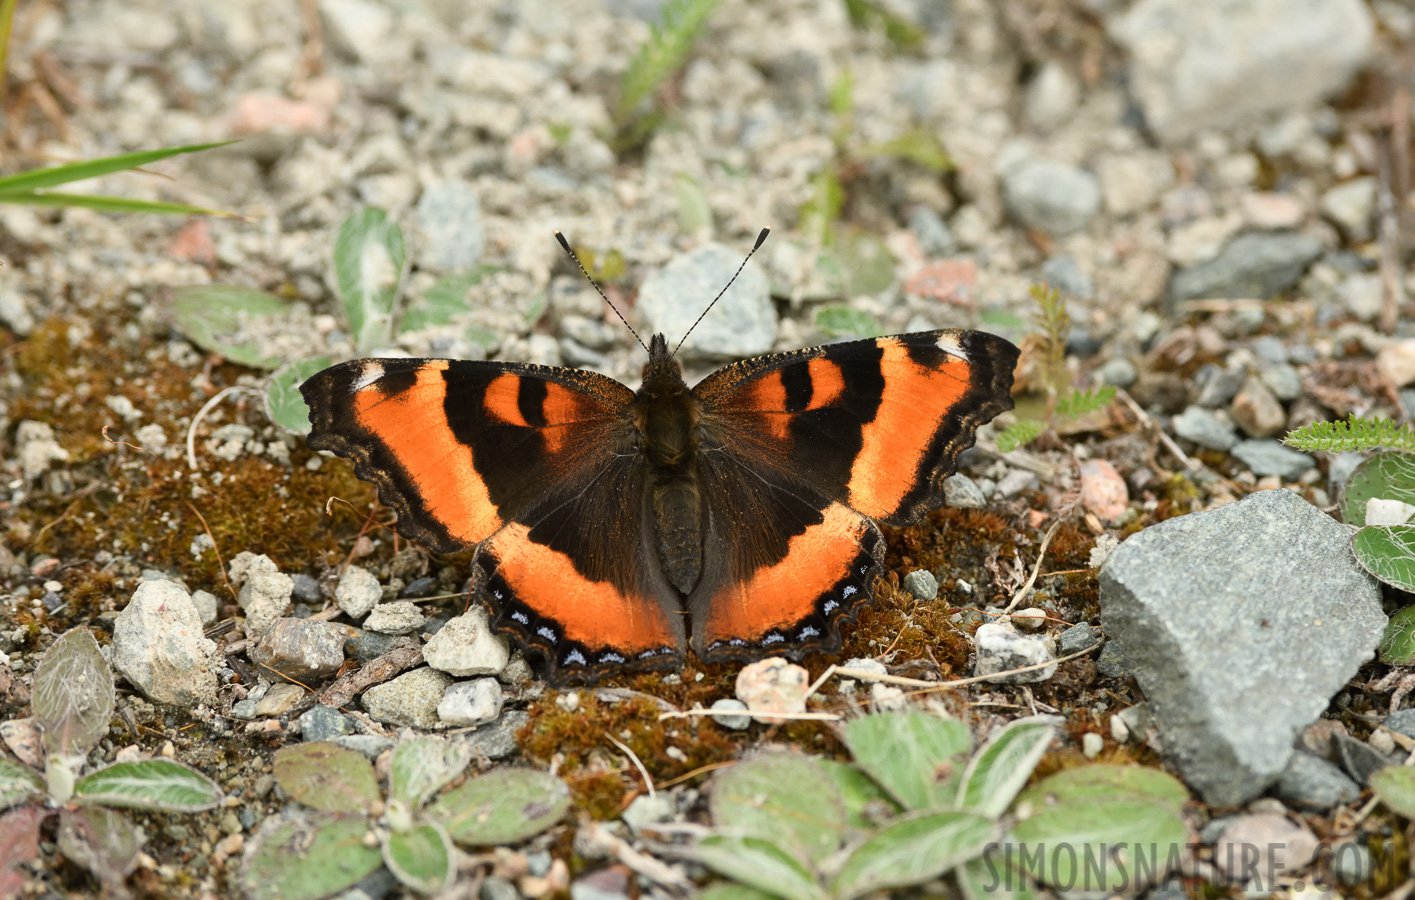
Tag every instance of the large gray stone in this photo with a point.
(1051, 196)
(1240, 624)
(1226, 62)
(742, 324)
(1251, 266)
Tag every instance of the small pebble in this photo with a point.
(773, 686)
(1078, 637)
(1092, 744)
(1103, 491)
(475, 702)
(1030, 619)
(398, 617)
(357, 592)
(1001, 648)
(727, 717)
(320, 723)
(961, 492)
(922, 584)
(467, 646)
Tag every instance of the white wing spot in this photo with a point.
(369, 372)
(807, 632)
(849, 589)
(546, 633)
(611, 657)
(521, 617)
(575, 657)
(829, 607)
(772, 638)
(949, 343)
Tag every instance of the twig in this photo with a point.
(34, 545)
(774, 716)
(633, 758)
(211, 537)
(1041, 555)
(645, 865)
(104, 432)
(1164, 439)
(201, 414)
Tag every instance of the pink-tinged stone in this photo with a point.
(193, 242)
(1264, 844)
(1396, 362)
(260, 113)
(951, 281)
(773, 686)
(1103, 491)
(1272, 211)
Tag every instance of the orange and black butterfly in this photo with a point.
(615, 528)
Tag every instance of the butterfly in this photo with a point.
(616, 528)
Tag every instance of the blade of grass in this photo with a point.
(93, 168)
(7, 20)
(106, 203)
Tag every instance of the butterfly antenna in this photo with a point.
(566, 244)
(761, 239)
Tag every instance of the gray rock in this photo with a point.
(645, 811)
(1284, 381)
(357, 592)
(1310, 782)
(15, 312)
(922, 584)
(1360, 759)
(370, 745)
(742, 324)
(322, 723)
(1272, 458)
(1202, 427)
(1000, 648)
(1401, 721)
(1215, 387)
(932, 233)
(1351, 862)
(1016, 481)
(305, 588)
(280, 699)
(1112, 662)
(1118, 371)
(1238, 59)
(206, 604)
(409, 699)
(467, 646)
(301, 649)
(961, 492)
(1078, 637)
(1051, 196)
(475, 702)
(1257, 411)
(1052, 96)
(1256, 266)
(158, 646)
(1363, 294)
(357, 28)
(727, 715)
(365, 646)
(243, 709)
(494, 887)
(1270, 348)
(1298, 617)
(1064, 274)
(497, 740)
(449, 224)
(398, 617)
(1352, 206)
(1133, 182)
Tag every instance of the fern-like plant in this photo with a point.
(1352, 434)
(660, 57)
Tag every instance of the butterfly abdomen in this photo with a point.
(678, 515)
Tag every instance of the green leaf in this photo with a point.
(444, 301)
(1395, 786)
(1398, 645)
(1099, 844)
(369, 262)
(1003, 765)
(308, 856)
(865, 262)
(783, 798)
(842, 94)
(42, 178)
(327, 776)
(73, 694)
(866, 803)
(149, 784)
(1081, 403)
(1103, 781)
(1002, 319)
(501, 807)
(758, 864)
(212, 316)
(694, 210)
(284, 405)
(839, 320)
(984, 878)
(1352, 434)
(1385, 476)
(18, 783)
(1387, 552)
(105, 203)
(664, 53)
(423, 766)
(899, 31)
(820, 212)
(422, 857)
(726, 890)
(912, 851)
(918, 146)
(911, 754)
(101, 840)
(1019, 434)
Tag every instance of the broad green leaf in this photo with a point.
(758, 864)
(422, 857)
(911, 754)
(212, 316)
(369, 260)
(1000, 769)
(1398, 645)
(912, 851)
(1395, 786)
(866, 803)
(101, 840)
(1002, 319)
(727, 890)
(18, 783)
(1387, 476)
(73, 694)
(501, 807)
(1103, 782)
(149, 784)
(694, 210)
(284, 404)
(839, 320)
(1387, 552)
(784, 798)
(984, 878)
(309, 856)
(93, 168)
(105, 203)
(423, 766)
(1092, 845)
(326, 776)
(442, 302)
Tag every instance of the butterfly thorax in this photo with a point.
(666, 416)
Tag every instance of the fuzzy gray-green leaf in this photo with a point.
(758, 864)
(501, 807)
(1395, 786)
(149, 784)
(1105, 835)
(911, 754)
(214, 316)
(369, 259)
(327, 776)
(284, 404)
(912, 851)
(308, 856)
(18, 783)
(1000, 769)
(422, 857)
(785, 798)
(1387, 552)
(423, 766)
(1398, 644)
(1385, 476)
(101, 840)
(1102, 781)
(73, 694)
